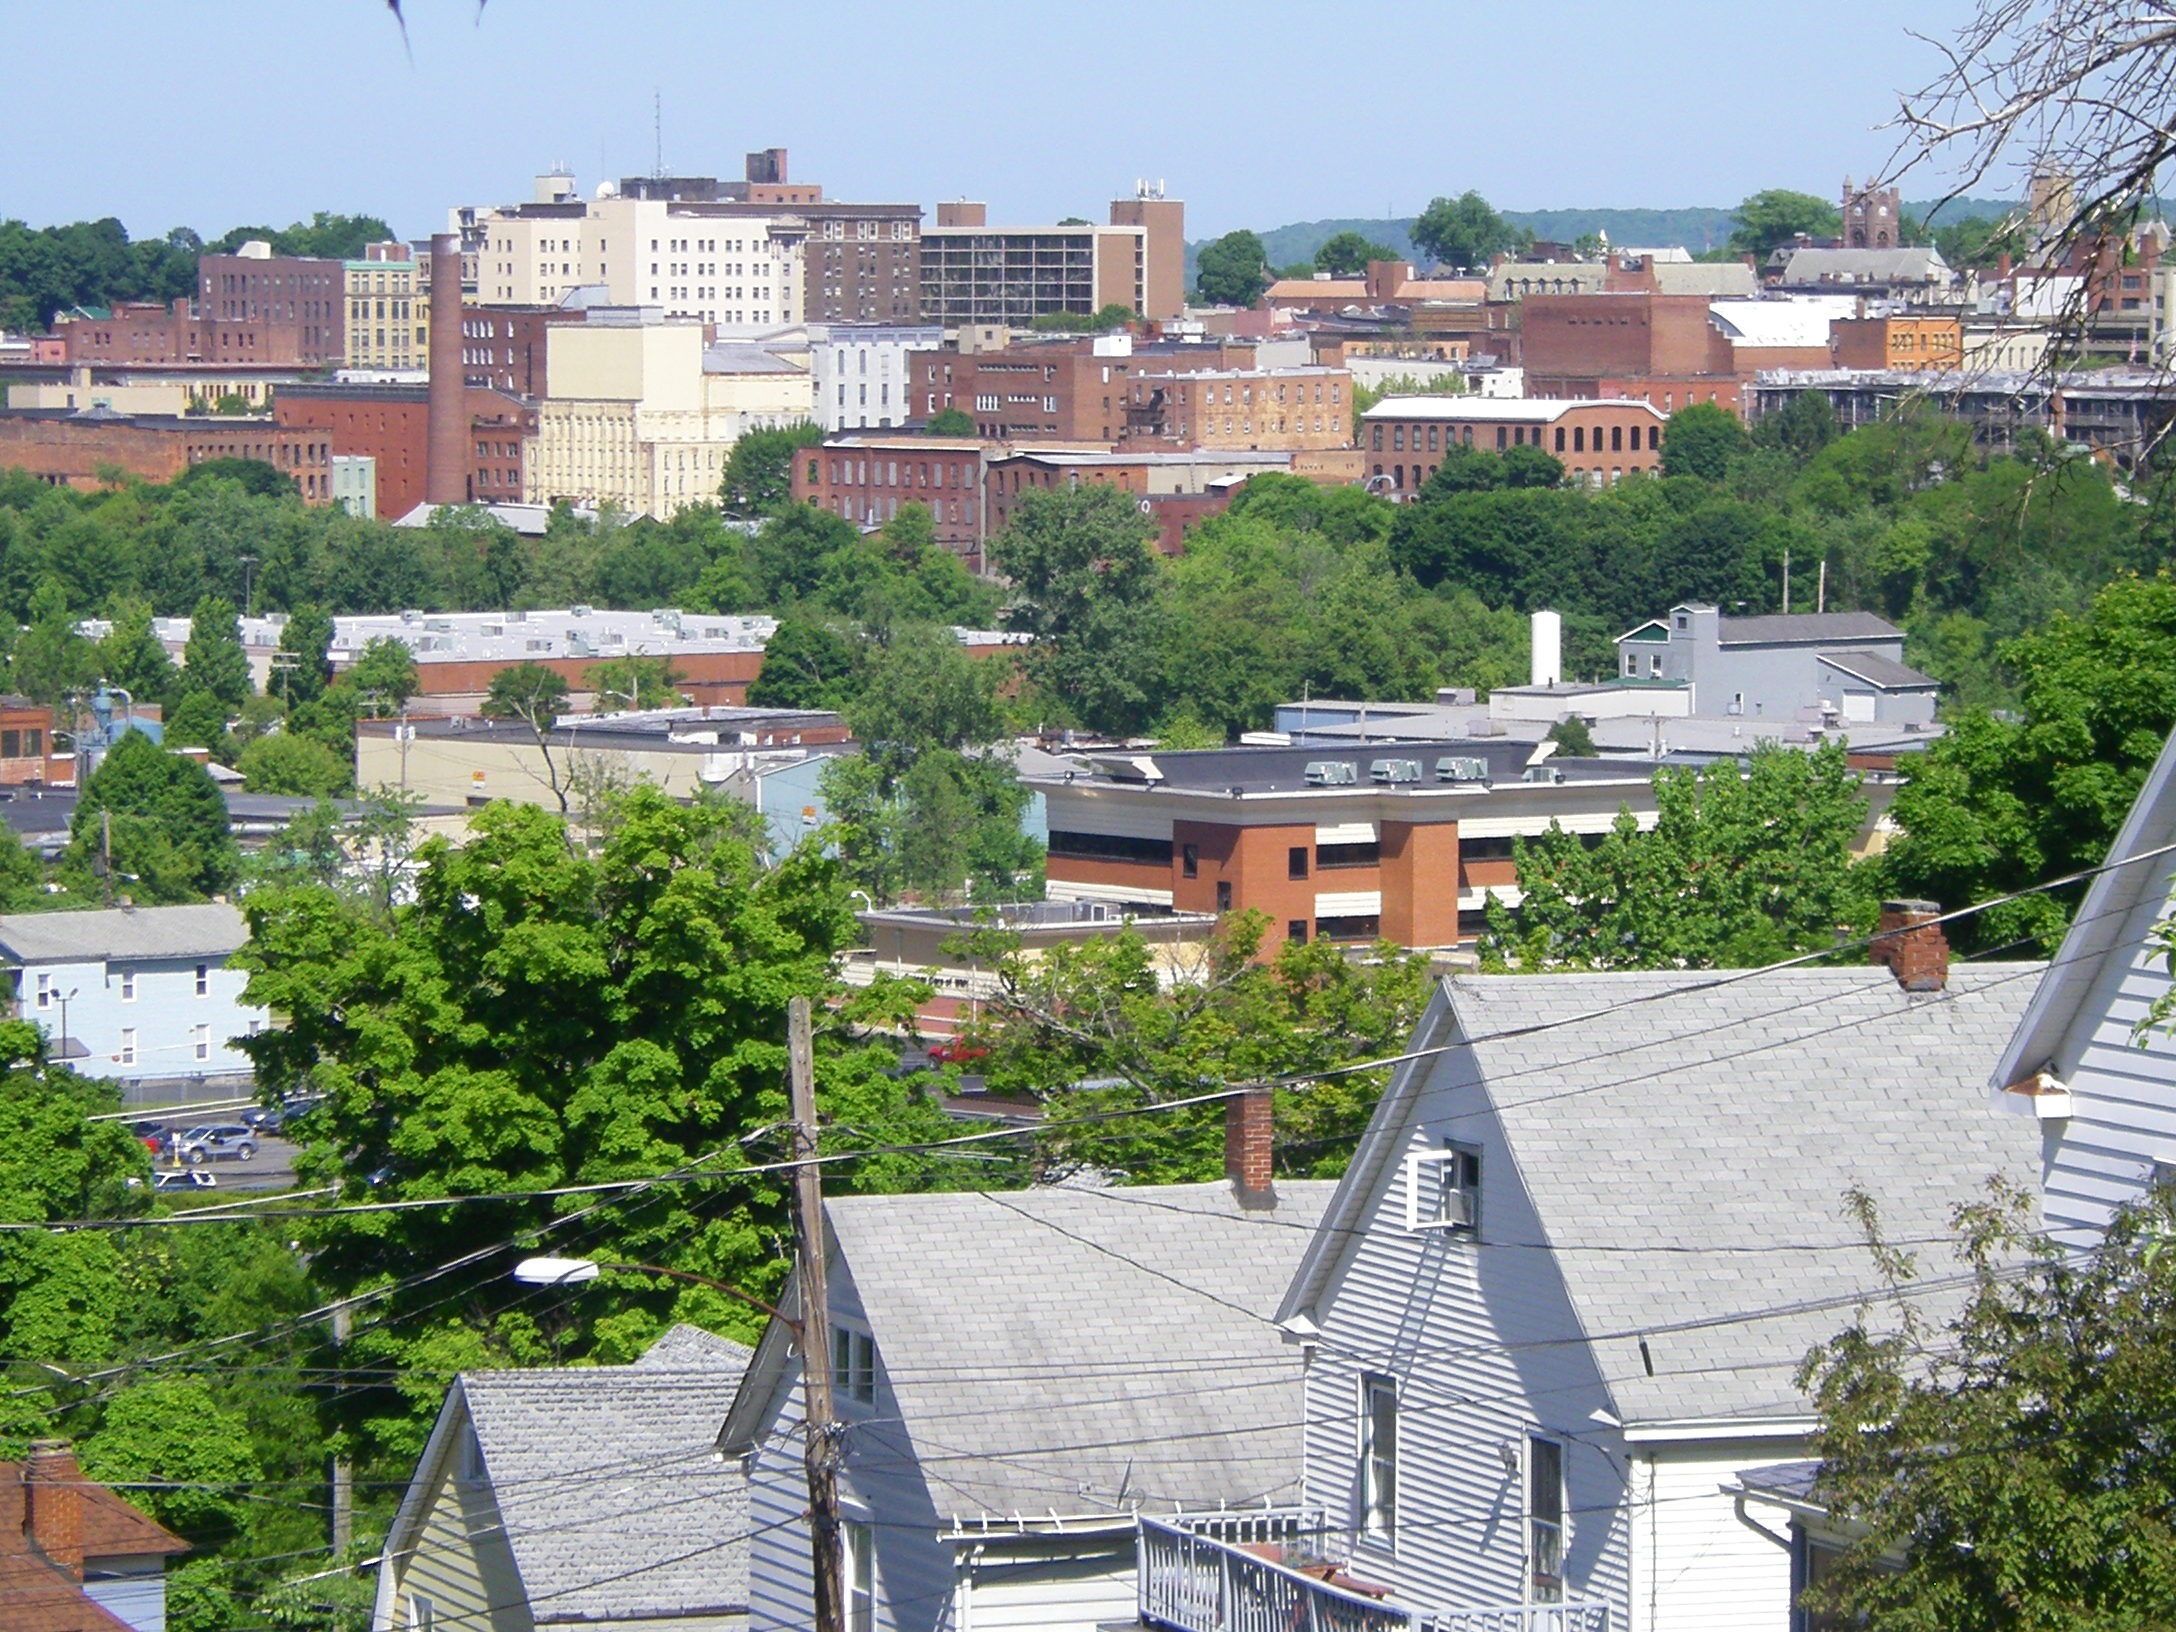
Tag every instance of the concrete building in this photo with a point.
(388, 321)
(139, 996)
(643, 414)
(1162, 221)
(355, 484)
(975, 273)
(1399, 841)
(1403, 439)
(1837, 666)
(859, 372)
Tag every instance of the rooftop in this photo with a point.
(1774, 628)
(1239, 772)
(1503, 410)
(212, 930)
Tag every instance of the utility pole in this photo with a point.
(820, 1439)
(343, 1471)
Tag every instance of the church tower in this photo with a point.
(1873, 217)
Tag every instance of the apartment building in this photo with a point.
(1403, 439)
(975, 273)
(253, 285)
(859, 372)
(869, 479)
(388, 426)
(1239, 408)
(388, 320)
(1073, 390)
(1402, 841)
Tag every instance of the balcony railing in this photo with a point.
(1192, 1583)
(1566, 1617)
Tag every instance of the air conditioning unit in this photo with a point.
(1330, 773)
(1395, 770)
(1461, 768)
(1541, 773)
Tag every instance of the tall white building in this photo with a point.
(859, 371)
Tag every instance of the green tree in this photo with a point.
(1572, 737)
(303, 662)
(168, 823)
(807, 663)
(1806, 425)
(1465, 231)
(759, 471)
(1344, 254)
(635, 682)
(529, 692)
(291, 764)
(1768, 220)
(51, 658)
(383, 675)
(130, 656)
(1702, 440)
(1232, 270)
(949, 422)
(1740, 869)
(252, 476)
(923, 691)
(213, 661)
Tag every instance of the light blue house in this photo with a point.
(141, 996)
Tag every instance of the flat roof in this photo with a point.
(1504, 410)
(1250, 770)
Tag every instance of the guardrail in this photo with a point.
(1190, 1582)
(1565, 1617)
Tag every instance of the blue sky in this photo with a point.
(213, 113)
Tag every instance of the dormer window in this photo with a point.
(1682, 621)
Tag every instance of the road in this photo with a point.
(273, 1168)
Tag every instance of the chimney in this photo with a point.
(53, 1504)
(445, 446)
(1910, 941)
(1249, 1122)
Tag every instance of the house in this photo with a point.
(2097, 1088)
(582, 1496)
(144, 997)
(74, 1556)
(1019, 1376)
(1552, 1319)
(1822, 666)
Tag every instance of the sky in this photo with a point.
(217, 113)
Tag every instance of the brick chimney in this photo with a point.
(1910, 941)
(53, 1504)
(1249, 1122)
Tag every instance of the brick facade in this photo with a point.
(73, 450)
(1060, 390)
(867, 480)
(390, 424)
(304, 292)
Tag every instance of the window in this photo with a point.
(1349, 855)
(1545, 1520)
(1486, 849)
(853, 1364)
(203, 980)
(1190, 860)
(128, 1045)
(1358, 927)
(1378, 1457)
(422, 1614)
(1295, 861)
(45, 991)
(1443, 1189)
(1110, 847)
(203, 1041)
(128, 985)
(1223, 895)
(857, 1571)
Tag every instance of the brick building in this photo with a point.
(1239, 408)
(1896, 340)
(72, 449)
(1599, 442)
(1056, 390)
(867, 478)
(1175, 489)
(146, 334)
(502, 347)
(390, 425)
(1571, 343)
(256, 286)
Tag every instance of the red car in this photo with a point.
(957, 1051)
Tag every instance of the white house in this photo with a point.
(1552, 1318)
(2100, 1090)
(141, 996)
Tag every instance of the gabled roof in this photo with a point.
(1876, 670)
(1686, 1143)
(1129, 1331)
(1787, 626)
(211, 930)
(2107, 926)
(610, 1493)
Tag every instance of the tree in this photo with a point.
(213, 661)
(1768, 220)
(1806, 425)
(807, 663)
(1232, 270)
(130, 655)
(1464, 232)
(1345, 253)
(253, 476)
(949, 422)
(1572, 737)
(51, 659)
(304, 659)
(2003, 1468)
(923, 691)
(759, 471)
(168, 823)
(1740, 869)
(1085, 578)
(1702, 440)
(383, 675)
(635, 682)
(535, 696)
(289, 764)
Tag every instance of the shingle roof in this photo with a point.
(1807, 626)
(1877, 670)
(212, 930)
(1131, 1328)
(614, 1499)
(1860, 265)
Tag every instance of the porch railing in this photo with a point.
(1565, 1617)
(1193, 1583)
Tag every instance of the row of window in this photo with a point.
(47, 990)
(1515, 436)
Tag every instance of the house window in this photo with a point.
(128, 985)
(203, 1042)
(45, 991)
(857, 1572)
(128, 1045)
(1295, 861)
(853, 1364)
(1378, 1457)
(1223, 895)
(203, 980)
(1545, 1520)
(1190, 860)
(422, 1614)
(1443, 1189)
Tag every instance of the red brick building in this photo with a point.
(867, 479)
(1403, 439)
(304, 293)
(67, 449)
(1053, 391)
(390, 424)
(144, 332)
(502, 347)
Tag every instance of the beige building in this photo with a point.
(150, 391)
(643, 415)
(388, 317)
(1241, 408)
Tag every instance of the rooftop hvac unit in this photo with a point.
(1460, 768)
(1330, 773)
(1541, 773)
(1395, 770)
(1483, 726)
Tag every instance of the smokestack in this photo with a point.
(1249, 1122)
(1910, 941)
(1548, 648)
(53, 1503)
(445, 465)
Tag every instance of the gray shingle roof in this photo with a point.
(1806, 626)
(614, 1498)
(212, 930)
(1127, 1331)
(1733, 1118)
(1877, 670)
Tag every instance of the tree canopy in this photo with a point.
(1232, 270)
(1768, 220)
(1465, 232)
(161, 818)
(1344, 253)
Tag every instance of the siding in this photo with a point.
(1701, 1566)
(1071, 1587)
(462, 1564)
(1477, 1337)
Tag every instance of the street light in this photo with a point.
(65, 999)
(574, 1271)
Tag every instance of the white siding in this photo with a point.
(1072, 1587)
(1483, 1342)
(1701, 1567)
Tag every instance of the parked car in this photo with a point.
(183, 1178)
(216, 1142)
(956, 1052)
(154, 1135)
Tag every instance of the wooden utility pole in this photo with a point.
(820, 1439)
(343, 1471)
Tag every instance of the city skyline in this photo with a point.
(344, 115)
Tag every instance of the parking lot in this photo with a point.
(272, 1168)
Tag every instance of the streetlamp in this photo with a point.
(65, 999)
(574, 1271)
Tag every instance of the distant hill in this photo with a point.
(1696, 228)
